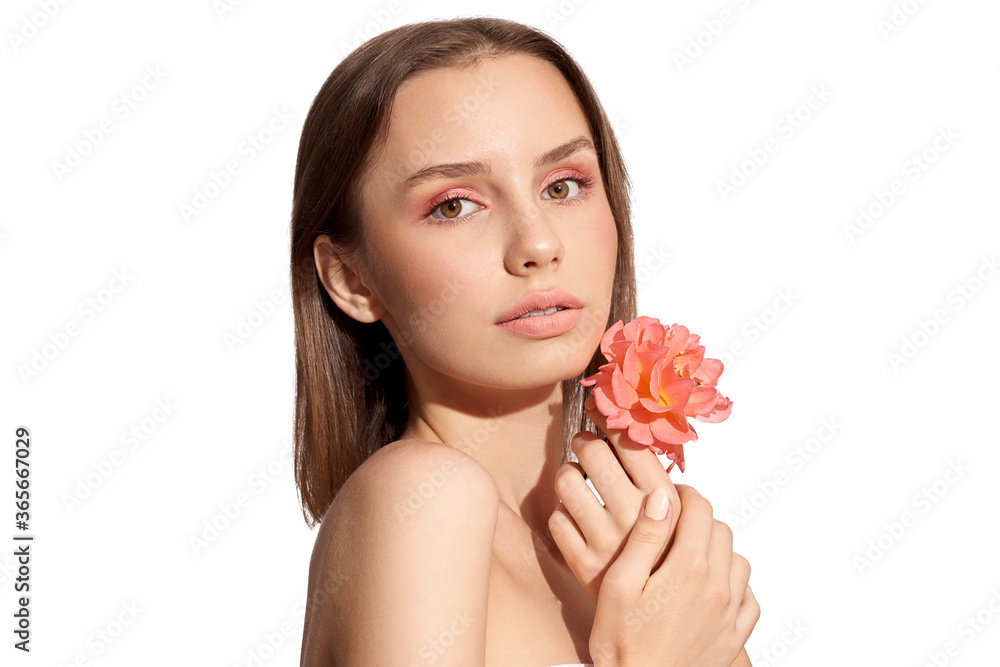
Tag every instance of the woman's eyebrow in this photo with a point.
(476, 167)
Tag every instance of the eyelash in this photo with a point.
(585, 183)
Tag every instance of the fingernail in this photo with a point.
(656, 504)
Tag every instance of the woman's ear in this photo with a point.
(344, 285)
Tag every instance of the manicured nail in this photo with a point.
(657, 503)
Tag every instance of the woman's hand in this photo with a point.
(694, 610)
(590, 536)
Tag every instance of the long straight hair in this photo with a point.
(350, 396)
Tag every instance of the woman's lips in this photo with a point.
(543, 326)
(552, 298)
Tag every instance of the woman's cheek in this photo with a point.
(601, 244)
(435, 288)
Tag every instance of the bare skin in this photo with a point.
(491, 398)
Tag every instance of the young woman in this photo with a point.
(461, 240)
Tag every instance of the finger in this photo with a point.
(566, 534)
(720, 557)
(579, 500)
(639, 462)
(632, 568)
(748, 615)
(739, 575)
(605, 472)
(694, 527)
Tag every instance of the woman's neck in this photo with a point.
(516, 436)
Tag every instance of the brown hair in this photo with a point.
(349, 376)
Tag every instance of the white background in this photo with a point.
(827, 559)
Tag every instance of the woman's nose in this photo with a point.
(534, 241)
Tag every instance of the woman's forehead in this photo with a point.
(510, 108)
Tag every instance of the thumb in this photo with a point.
(645, 543)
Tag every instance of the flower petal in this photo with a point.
(709, 371)
(619, 421)
(652, 405)
(630, 367)
(610, 337)
(624, 395)
(639, 433)
(601, 370)
(702, 402)
(676, 339)
(604, 399)
(671, 427)
(720, 413)
(670, 387)
(676, 455)
(647, 356)
(687, 363)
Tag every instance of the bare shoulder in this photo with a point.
(418, 463)
(402, 558)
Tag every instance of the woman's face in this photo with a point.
(455, 247)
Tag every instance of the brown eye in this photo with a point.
(456, 208)
(558, 190)
(451, 208)
(567, 188)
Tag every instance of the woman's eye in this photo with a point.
(453, 208)
(564, 189)
(457, 208)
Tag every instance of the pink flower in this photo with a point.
(656, 377)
